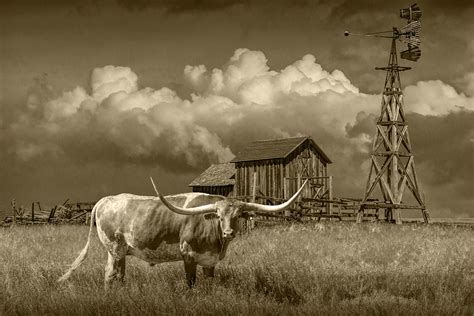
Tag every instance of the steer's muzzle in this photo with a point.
(228, 234)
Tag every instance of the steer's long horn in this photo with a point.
(208, 208)
(275, 208)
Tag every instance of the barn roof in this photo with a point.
(221, 174)
(275, 149)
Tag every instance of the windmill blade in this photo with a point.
(413, 53)
(410, 33)
(413, 41)
(412, 13)
(413, 27)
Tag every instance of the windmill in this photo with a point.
(392, 165)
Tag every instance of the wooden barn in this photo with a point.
(276, 168)
(217, 179)
(279, 166)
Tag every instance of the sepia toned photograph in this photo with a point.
(236, 157)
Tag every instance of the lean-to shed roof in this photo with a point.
(221, 174)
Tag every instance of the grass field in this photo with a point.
(323, 268)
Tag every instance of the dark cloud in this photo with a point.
(340, 9)
(444, 146)
(349, 8)
(77, 7)
(173, 6)
(450, 6)
(364, 125)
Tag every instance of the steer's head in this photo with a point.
(229, 210)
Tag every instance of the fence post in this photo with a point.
(398, 216)
(51, 214)
(286, 183)
(330, 195)
(298, 184)
(33, 211)
(13, 202)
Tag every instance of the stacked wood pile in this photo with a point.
(71, 213)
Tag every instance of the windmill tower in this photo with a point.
(392, 165)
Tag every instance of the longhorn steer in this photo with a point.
(148, 228)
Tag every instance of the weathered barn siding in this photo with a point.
(270, 177)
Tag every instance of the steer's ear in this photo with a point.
(210, 215)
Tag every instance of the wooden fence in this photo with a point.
(67, 212)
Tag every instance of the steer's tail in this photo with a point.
(83, 255)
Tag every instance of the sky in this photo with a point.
(96, 96)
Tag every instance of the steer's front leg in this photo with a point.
(190, 269)
(189, 263)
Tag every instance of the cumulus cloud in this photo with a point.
(434, 97)
(468, 79)
(110, 79)
(66, 105)
(120, 122)
(246, 79)
(117, 122)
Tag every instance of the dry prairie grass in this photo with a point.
(317, 269)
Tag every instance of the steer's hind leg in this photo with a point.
(114, 270)
(208, 271)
